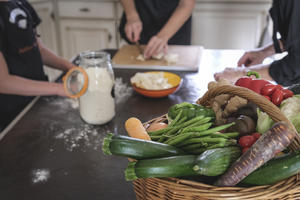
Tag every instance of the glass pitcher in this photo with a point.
(97, 104)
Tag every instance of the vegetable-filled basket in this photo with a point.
(181, 189)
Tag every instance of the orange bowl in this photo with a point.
(173, 79)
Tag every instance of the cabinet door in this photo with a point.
(47, 28)
(47, 31)
(228, 26)
(82, 35)
(121, 41)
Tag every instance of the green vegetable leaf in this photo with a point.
(264, 121)
(291, 109)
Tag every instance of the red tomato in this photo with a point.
(287, 93)
(256, 135)
(269, 89)
(247, 141)
(269, 98)
(277, 97)
(245, 149)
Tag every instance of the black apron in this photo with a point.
(154, 14)
(286, 20)
(18, 45)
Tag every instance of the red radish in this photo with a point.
(256, 135)
(245, 149)
(247, 141)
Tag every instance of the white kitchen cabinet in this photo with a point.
(47, 31)
(120, 40)
(93, 24)
(231, 25)
(86, 26)
(82, 35)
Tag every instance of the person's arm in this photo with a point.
(12, 84)
(51, 59)
(134, 26)
(257, 56)
(232, 74)
(181, 14)
(287, 70)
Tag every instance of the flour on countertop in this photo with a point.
(122, 90)
(85, 136)
(40, 175)
(73, 102)
(81, 136)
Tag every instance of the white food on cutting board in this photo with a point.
(178, 58)
(169, 58)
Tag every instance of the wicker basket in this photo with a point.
(179, 189)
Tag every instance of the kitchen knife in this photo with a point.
(141, 51)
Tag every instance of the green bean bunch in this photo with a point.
(194, 135)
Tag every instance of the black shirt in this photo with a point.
(18, 45)
(286, 20)
(154, 14)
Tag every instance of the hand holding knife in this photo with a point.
(140, 49)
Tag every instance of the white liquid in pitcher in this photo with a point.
(97, 105)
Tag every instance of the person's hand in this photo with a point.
(231, 74)
(133, 29)
(252, 58)
(60, 91)
(155, 46)
(71, 65)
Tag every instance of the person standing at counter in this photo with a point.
(157, 23)
(22, 56)
(286, 19)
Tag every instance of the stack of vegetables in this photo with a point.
(287, 99)
(273, 92)
(220, 141)
(190, 129)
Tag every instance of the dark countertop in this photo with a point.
(52, 138)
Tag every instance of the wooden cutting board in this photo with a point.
(189, 58)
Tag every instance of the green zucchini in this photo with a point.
(175, 166)
(137, 148)
(215, 162)
(275, 170)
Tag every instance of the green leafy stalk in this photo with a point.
(214, 130)
(180, 121)
(195, 146)
(130, 172)
(106, 144)
(203, 140)
(197, 128)
(179, 138)
(226, 135)
(160, 132)
(177, 128)
(176, 119)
